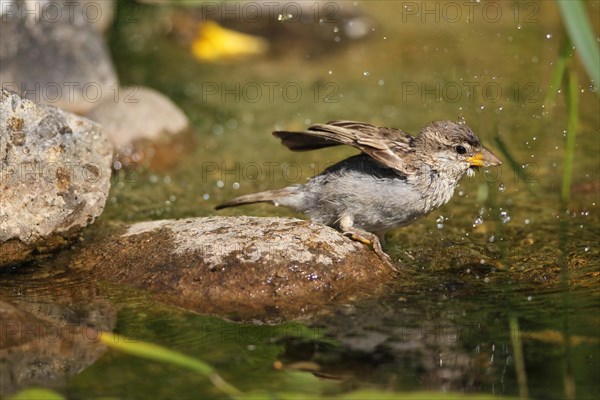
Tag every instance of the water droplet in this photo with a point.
(486, 280)
(440, 222)
(366, 73)
(220, 183)
(286, 17)
(504, 217)
(217, 129)
(330, 72)
(206, 196)
(167, 179)
(153, 178)
(336, 29)
(527, 221)
(548, 36)
(235, 186)
(529, 298)
(381, 82)
(172, 197)
(478, 221)
(501, 187)
(492, 239)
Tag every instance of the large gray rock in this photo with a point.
(98, 13)
(145, 126)
(242, 267)
(55, 59)
(54, 176)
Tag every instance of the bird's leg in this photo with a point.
(381, 236)
(367, 238)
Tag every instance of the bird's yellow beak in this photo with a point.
(476, 160)
(484, 158)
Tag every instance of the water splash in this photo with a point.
(440, 222)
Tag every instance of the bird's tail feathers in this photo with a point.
(269, 196)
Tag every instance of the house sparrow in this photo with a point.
(397, 179)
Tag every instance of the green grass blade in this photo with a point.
(581, 34)
(37, 394)
(572, 125)
(558, 73)
(517, 344)
(158, 353)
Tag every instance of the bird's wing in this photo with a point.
(386, 145)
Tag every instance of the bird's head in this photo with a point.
(452, 148)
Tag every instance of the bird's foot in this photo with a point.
(372, 241)
(358, 238)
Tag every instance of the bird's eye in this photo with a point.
(460, 149)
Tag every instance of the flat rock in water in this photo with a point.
(55, 59)
(54, 177)
(241, 267)
(145, 127)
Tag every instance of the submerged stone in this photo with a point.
(37, 350)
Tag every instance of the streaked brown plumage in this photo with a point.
(397, 179)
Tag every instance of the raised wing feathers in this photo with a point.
(386, 145)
